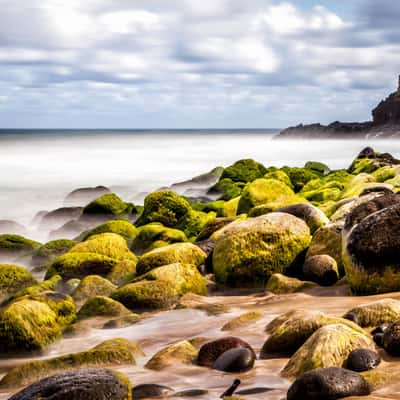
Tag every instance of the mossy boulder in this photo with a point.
(84, 195)
(122, 272)
(384, 173)
(14, 246)
(217, 206)
(186, 253)
(250, 251)
(262, 191)
(318, 167)
(109, 353)
(357, 185)
(154, 232)
(376, 313)
(102, 306)
(364, 165)
(282, 284)
(289, 331)
(92, 285)
(150, 295)
(53, 284)
(121, 227)
(246, 170)
(51, 250)
(212, 226)
(242, 320)
(12, 279)
(185, 278)
(329, 346)
(177, 353)
(300, 176)
(109, 205)
(27, 325)
(279, 176)
(194, 221)
(226, 189)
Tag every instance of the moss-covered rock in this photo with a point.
(262, 191)
(185, 278)
(217, 206)
(329, 346)
(51, 250)
(13, 246)
(250, 251)
(321, 269)
(246, 170)
(185, 253)
(226, 189)
(92, 285)
(357, 185)
(384, 173)
(12, 279)
(276, 205)
(300, 176)
(122, 272)
(27, 325)
(279, 176)
(110, 205)
(281, 284)
(156, 294)
(109, 353)
(193, 222)
(213, 226)
(376, 313)
(364, 165)
(242, 320)
(178, 353)
(121, 227)
(318, 167)
(53, 284)
(289, 331)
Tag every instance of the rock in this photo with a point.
(289, 331)
(91, 286)
(282, 284)
(378, 339)
(84, 384)
(213, 226)
(180, 352)
(317, 167)
(208, 247)
(380, 328)
(376, 313)
(391, 339)
(58, 217)
(235, 360)
(185, 253)
(226, 189)
(241, 321)
(53, 284)
(14, 246)
(246, 170)
(85, 195)
(211, 351)
(329, 346)
(300, 176)
(250, 251)
(69, 230)
(27, 325)
(321, 269)
(108, 205)
(361, 360)
(12, 279)
(108, 353)
(279, 175)
(370, 260)
(310, 214)
(388, 110)
(49, 251)
(328, 384)
(151, 390)
(157, 294)
(120, 226)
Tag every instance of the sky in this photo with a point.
(179, 64)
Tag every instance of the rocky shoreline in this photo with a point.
(286, 271)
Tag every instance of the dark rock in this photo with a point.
(328, 384)
(367, 152)
(380, 329)
(235, 360)
(60, 216)
(191, 393)
(212, 226)
(391, 339)
(377, 189)
(208, 247)
(388, 110)
(84, 384)
(209, 352)
(83, 196)
(361, 360)
(378, 339)
(151, 390)
(231, 389)
(352, 317)
(321, 269)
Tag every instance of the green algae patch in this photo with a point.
(108, 204)
(262, 191)
(299, 176)
(279, 175)
(248, 252)
(227, 189)
(194, 221)
(384, 173)
(152, 295)
(122, 272)
(27, 325)
(364, 165)
(282, 284)
(246, 170)
(109, 353)
(121, 227)
(16, 245)
(357, 185)
(51, 250)
(329, 346)
(178, 353)
(92, 285)
(279, 203)
(242, 320)
(318, 167)
(12, 279)
(185, 253)
(50, 284)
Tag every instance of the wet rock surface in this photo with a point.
(361, 360)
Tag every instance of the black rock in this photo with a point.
(321, 269)
(235, 360)
(208, 247)
(352, 317)
(151, 390)
(380, 328)
(84, 384)
(328, 384)
(391, 339)
(378, 339)
(360, 360)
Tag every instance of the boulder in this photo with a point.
(121, 227)
(85, 195)
(282, 284)
(321, 269)
(300, 176)
(109, 205)
(12, 279)
(391, 339)
(14, 246)
(213, 226)
(361, 360)
(235, 360)
(152, 390)
(246, 170)
(91, 286)
(58, 217)
(242, 320)
(248, 252)
(49, 251)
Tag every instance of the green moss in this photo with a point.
(12, 279)
(153, 232)
(92, 285)
(246, 170)
(193, 222)
(122, 272)
(228, 189)
(231, 207)
(120, 227)
(276, 205)
(357, 185)
(108, 204)
(185, 253)
(262, 191)
(27, 325)
(248, 252)
(318, 167)
(242, 320)
(300, 176)
(51, 250)
(182, 352)
(329, 346)
(279, 175)
(109, 353)
(281, 284)
(50, 284)
(11, 245)
(185, 278)
(213, 226)
(384, 173)
(363, 165)
(218, 207)
(147, 295)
